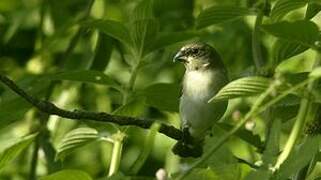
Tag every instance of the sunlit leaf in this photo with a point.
(96, 77)
(285, 49)
(13, 151)
(248, 86)
(282, 7)
(316, 73)
(295, 65)
(306, 32)
(299, 158)
(69, 174)
(75, 139)
(220, 14)
(163, 96)
(112, 28)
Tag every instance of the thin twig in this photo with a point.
(50, 108)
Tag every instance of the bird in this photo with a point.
(205, 74)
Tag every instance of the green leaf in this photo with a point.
(306, 32)
(259, 174)
(143, 33)
(245, 135)
(96, 77)
(271, 151)
(248, 86)
(103, 51)
(13, 151)
(75, 139)
(314, 7)
(295, 65)
(283, 49)
(113, 29)
(283, 7)
(69, 174)
(220, 14)
(163, 96)
(148, 146)
(143, 10)
(316, 73)
(133, 108)
(14, 107)
(203, 174)
(169, 38)
(299, 158)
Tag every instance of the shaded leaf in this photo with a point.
(103, 52)
(148, 146)
(313, 9)
(75, 139)
(96, 77)
(273, 144)
(69, 174)
(12, 106)
(143, 10)
(163, 96)
(282, 7)
(220, 14)
(143, 33)
(169, 38)
(259, 174)
(112, 28)
(133, 108)
(245, 135)
(248, 86)
(299, 158)
(285, 49)
(13, 151)
(306, 32)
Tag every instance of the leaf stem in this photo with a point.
(256, 46)
(116, 154)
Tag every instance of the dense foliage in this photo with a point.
(115, 56)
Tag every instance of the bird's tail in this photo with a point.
(184, 149)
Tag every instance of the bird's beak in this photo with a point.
(180, 57)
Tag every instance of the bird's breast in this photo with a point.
(198, 85)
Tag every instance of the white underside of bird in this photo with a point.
(196, 113)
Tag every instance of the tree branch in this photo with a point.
(52, 109)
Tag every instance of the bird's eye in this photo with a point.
(195, 51)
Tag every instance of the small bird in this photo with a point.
(204, 76)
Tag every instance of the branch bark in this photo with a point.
(52, 109)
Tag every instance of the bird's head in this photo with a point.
(198, 56)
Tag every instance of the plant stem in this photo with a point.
(34, 159)
(116, 154)
(305, 107)
(256, 46)
(131, 83)
(296, 131)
